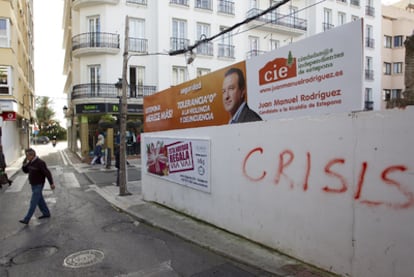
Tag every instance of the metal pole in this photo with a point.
(122, 136)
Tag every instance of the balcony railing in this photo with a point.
(226, 7)
(105, 90)
(280, 19)
(95, 40)
(202, 4)
(226, 51)
(139, 45)
(369, 105)
(253, 53)
(369, 42)
(77, 4)
(205, 49)
(369, 10)
(138, 2)
(327, 26)
(179, 43)
(355, 2)
(179, 2)
(369, 74)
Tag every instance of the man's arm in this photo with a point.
(48, 174)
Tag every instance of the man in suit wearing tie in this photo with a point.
(234, 97)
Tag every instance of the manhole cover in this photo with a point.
(83, 258)
(34, 254)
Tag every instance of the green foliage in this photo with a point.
(48, 126)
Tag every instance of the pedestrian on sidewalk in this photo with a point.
(4, 179)
(38, 173)
(98, 151)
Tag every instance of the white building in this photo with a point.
(94, 42)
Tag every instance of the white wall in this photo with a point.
(335, 191)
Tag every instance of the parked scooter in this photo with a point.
(54, 141)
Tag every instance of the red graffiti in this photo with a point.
(332, 169)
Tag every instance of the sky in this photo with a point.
(49, 53)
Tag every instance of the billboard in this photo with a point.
(318, 75)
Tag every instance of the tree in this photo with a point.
(44, 114)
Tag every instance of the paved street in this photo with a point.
(89, 236)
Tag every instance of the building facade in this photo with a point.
(16, 76)
(397, 25)
(94, 41)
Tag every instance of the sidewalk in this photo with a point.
(195, 231)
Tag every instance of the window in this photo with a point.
(397, 68)
(387, 69)
(396, 93)
(203, 4)
(226, 6)
(354, 18)
(137, 41)
(202, 71)
(226, 47)
(274, 44)
(179, 75)
(179, 33)
(398, 41)
(5, 79)
(387, 41)
(341, 18)
(369, 103)
(386, 94)
(4, 32)
(253, 43)
(94, 79)
(327, 19)
(94, 28)
(203, 31)
(369, 41)
(136, 81)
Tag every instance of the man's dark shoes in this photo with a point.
(10, 183)
(43, 216)
(24, 221)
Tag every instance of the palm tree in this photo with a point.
(44, 114)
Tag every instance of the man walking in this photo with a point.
(38, 172)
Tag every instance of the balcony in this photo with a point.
(369, 74)
(77, 4)
(369, 10)
(178, 43)
(369, 105)
(253, 53)
(137, 2)
(369, 42)
(180, 2)
(225, 51)
(204, 5)
(355, 3)
(274, 21)
(138, 45)
(95, 43)
(226, 7)
(327, 26)
(205, 49)
(105, 90)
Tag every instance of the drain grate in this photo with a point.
(84, 258)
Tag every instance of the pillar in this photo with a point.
(84, 134)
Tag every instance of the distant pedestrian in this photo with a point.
(4, 179)
(38, 173)
(98, 151)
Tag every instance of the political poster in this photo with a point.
(183, 161)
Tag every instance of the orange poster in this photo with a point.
(196, 103)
